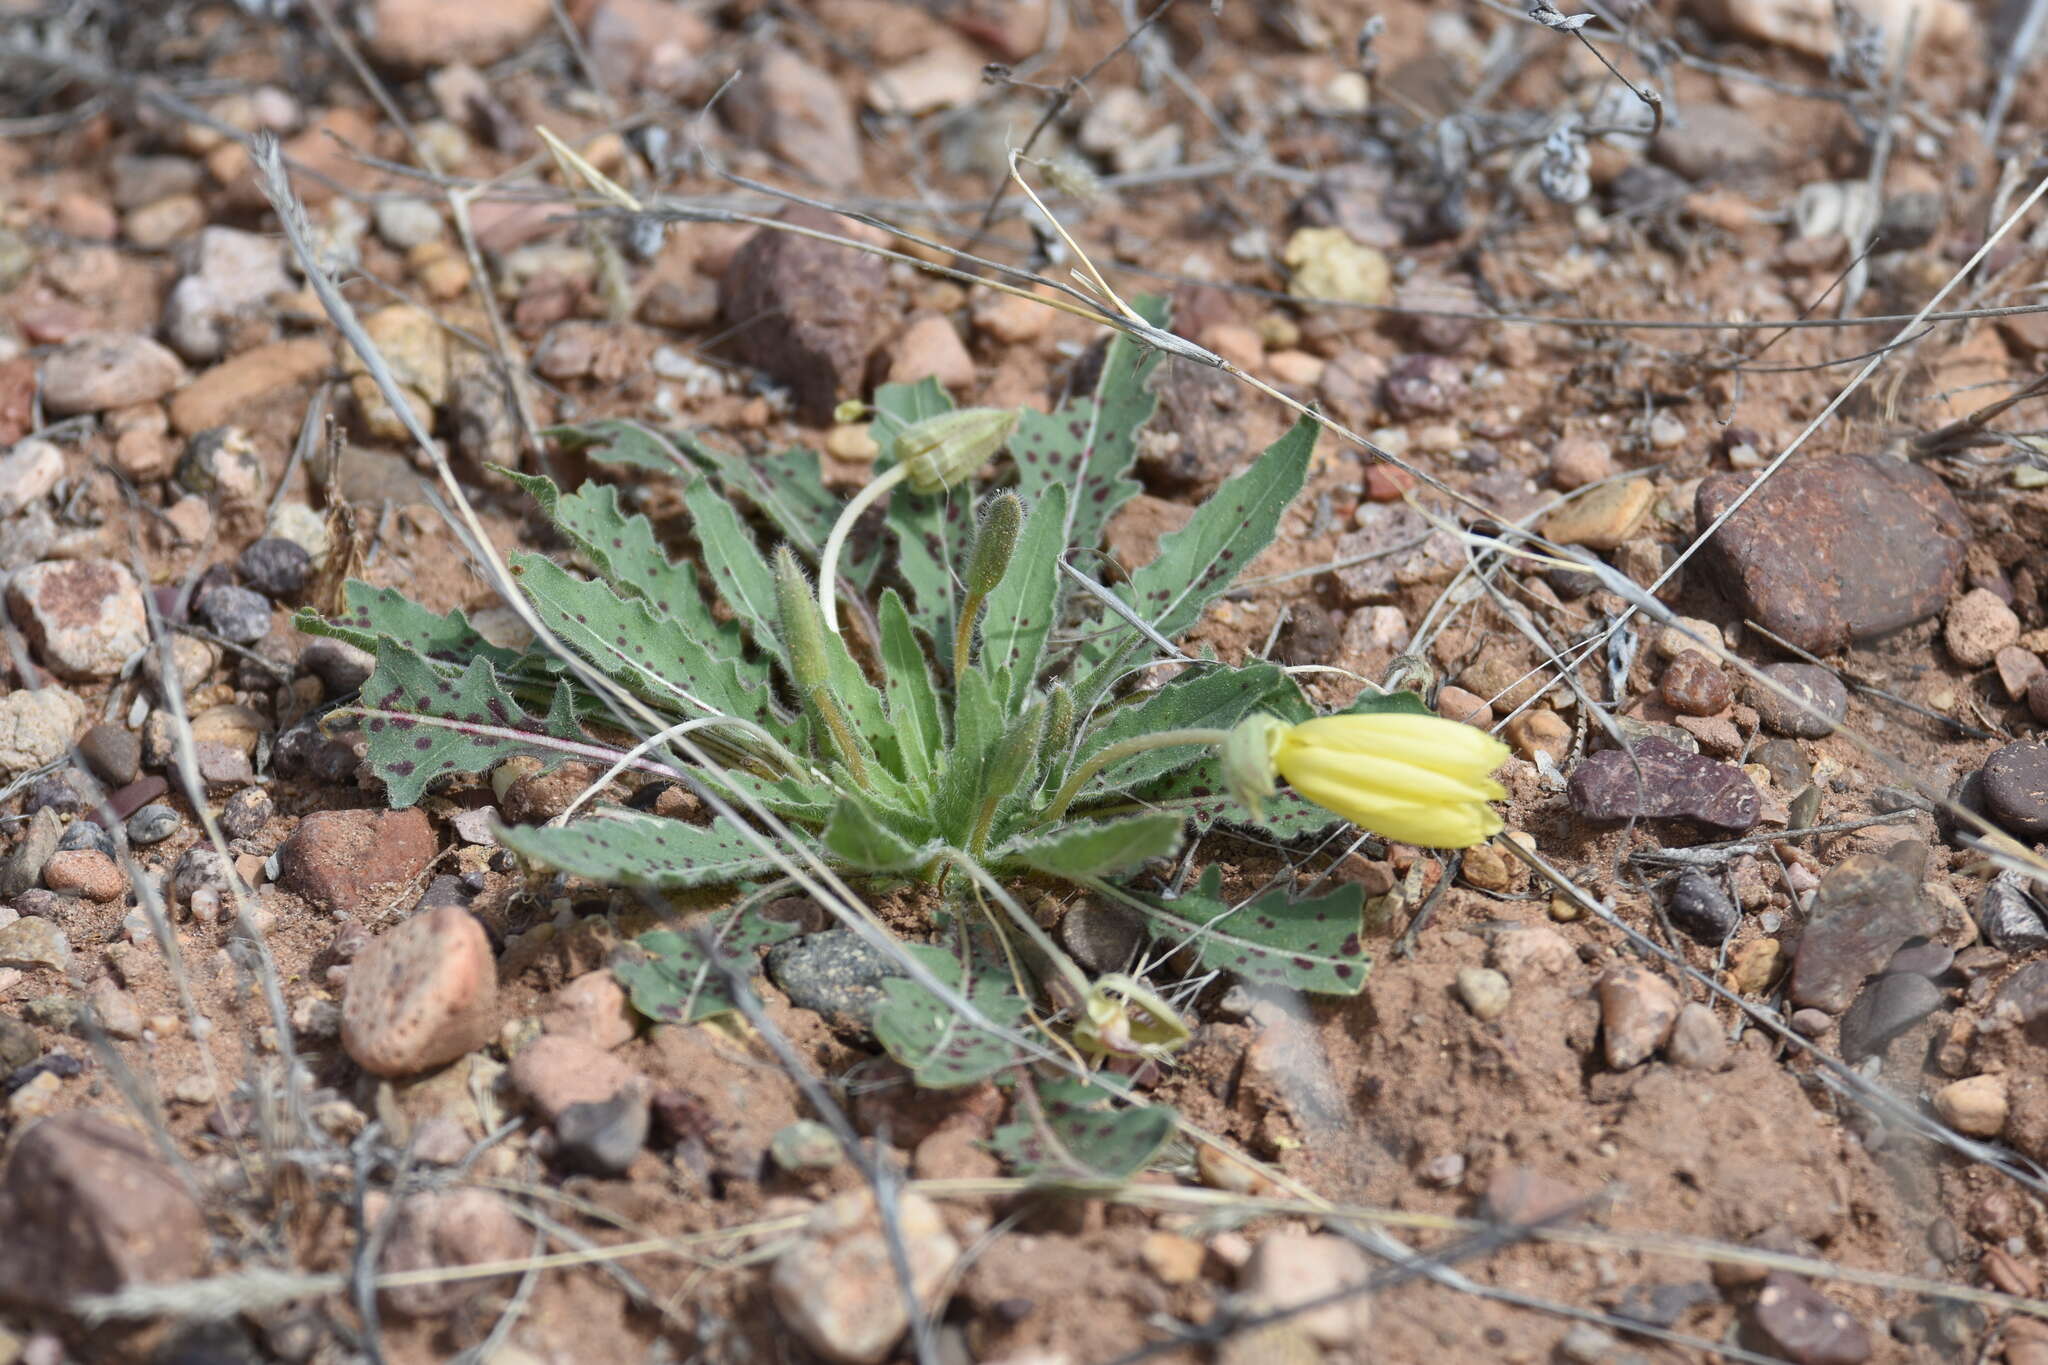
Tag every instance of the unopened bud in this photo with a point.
(803, 627)
(941, 451)
(1001, 516)
(1059, 719)
(852, 410)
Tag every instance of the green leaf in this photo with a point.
(913, 700)
(905, 405)
(857, 836)
(738, 570)
(627, 554)
(372, 614)
(1080, 1135)
(670, 978)
(632, 848)
(1214, 698)
(1310, 945)
(1198, 563)
(940, 1048)
(784, 487)
(1088, 447)
(1371, 703)
(1022, 609)
(655, 657)
(1095, 848)
(978, 723)
(423, 722)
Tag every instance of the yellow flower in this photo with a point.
(1416, 779)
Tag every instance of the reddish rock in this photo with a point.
(1662, 781)
(1694, 685)
(356, 862)
(17, 398)
(422, 995)
(440, 1229)
(90, 1208)
(556, 1071)
(415, 34)
(84, 872)
(789, 107)
(807, 312)
(592, 1008)
(1835, 549)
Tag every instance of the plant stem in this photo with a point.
(963, 634)
(828, 559)
(1117, 753)
(826, 707)
(1070, 975)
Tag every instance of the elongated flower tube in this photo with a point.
(1416, 779)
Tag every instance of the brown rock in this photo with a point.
(90, 1208)
(108, 371)
(84, 872)
(1979, 625)
(557, 1071)
(789, 107)
(217, 396)
(592, 1008)
(441, 1229)
(805, 311)
(422, 995)
(356, 862)
(1638, 1011)
(1694, 685)
(1835, 549)
(1603, 518)
(930, 348)
(1867, 905)
(1289, 1268)
(837, 1289)
(416, 34)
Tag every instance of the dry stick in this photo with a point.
(1880, 157)
(780, 844)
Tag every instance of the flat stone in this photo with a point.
(232, 274)
(1673, 784)
(1806, 1328)
(2015, 788)
(90, 1208)
(35, 726)
(34, 942)
(1865, 908)
(24, 867)
(85, 872)
(1698, 1041)
(422, 995)
(1603, 518)
(1975, 1106)
(216, 396)
(835, 974)
(1883, 1010)
(2009, 918)
(1290, 1268)
(106, 371)
(417, 34)
(356, 862)
(27, 474)
(1835, 549)
(112, 752)
(84, 617)
(1818, 704)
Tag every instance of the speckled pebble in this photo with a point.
(1826, 700)
(235, 614)
(153, 824)
(275, 567)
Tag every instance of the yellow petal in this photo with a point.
(1381, 778)
(1432, 824)
(1447, 746)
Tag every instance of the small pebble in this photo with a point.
(1825, 700)
(247, 811)
(1697, 1040)
(1700, 909)
(1812, 1023)
(1638, 1010)
(235, 614)
(805, 1145)
(153, 824)
(2015, 788)
(1979, 625)
(1975, 1106)
(1666, 432)
(275, 567)
(1484, 991)
(1694, 685)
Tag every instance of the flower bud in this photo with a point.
(1250, 765)
(1016, 753)
(941, 451)
(1059, 719)
(994, 540)
(803, 627)
(852, 410)
(1122, 1018)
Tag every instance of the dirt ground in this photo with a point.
(1185, 161)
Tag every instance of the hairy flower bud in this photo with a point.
(803, 626)
(994, 540)
(941, 451)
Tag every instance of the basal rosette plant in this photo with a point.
(947, 707)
